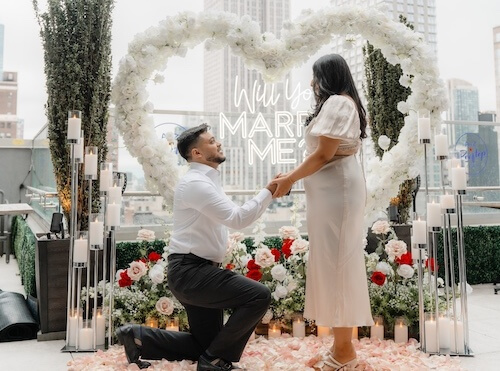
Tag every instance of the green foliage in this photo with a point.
(76, 36)
(384, 92)
(482, 254)
(127, 252)
(23, 245)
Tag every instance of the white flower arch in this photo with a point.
(150, 50)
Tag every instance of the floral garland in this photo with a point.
(150, 50)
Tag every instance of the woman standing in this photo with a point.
(336, 285)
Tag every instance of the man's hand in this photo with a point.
(284, 185)
(272, 186)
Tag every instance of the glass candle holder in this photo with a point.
(431, 335)
(400, 330)
(433, 212)
(172, 324)
(298, 325)
(323, 331)
(105, 177)
(74, 125)
(274, 329)
(377, 330)
(115, 191)
(424, 126)
(96, 231)
(85, 336)
(75, 323)
(80, 250)
(79, 149)
(99, 325)
(90, 162)
(151, 322)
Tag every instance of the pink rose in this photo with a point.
(136, 270)
(381, 227)
(165, 306)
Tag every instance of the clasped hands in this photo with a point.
(280, 185)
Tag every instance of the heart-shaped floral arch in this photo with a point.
(273, 58)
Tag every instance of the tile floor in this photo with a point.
(484, 323)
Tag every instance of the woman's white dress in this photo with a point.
(336, 285)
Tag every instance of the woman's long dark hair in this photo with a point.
(331, 76)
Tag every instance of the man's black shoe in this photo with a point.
(218, 364)
(126, 337)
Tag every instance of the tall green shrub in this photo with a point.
(384, 92)
(76, 36)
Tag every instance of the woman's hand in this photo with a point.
(284, 184)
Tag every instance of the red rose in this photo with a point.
(405, 259)
(144, 260)
(154, 256)
(276, 254)
(124, 280)
(230, 266)
(286, 248)
(378, 278)
(254, 274)
(431, 263)
(251, 265)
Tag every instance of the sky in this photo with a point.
(464, 32)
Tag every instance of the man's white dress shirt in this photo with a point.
(203, 212)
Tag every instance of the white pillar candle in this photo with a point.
(172, 327)
(113, 215)
(458, 346)
(74, 128)
(106, 179)
(430, 335)
(424, 128)
(419, 233)
(274, 331)
(458, 178)
(85, 338)
(96, 231)
(444, 332)
(79, 150)
(115, 195)
(400, 332)
(377, 331)
(100, 328)
(441, 145)
(80, 250)
(298, 328)
(447, 201)
(433, 214)
(91, 164)
(453, 162)
(323, 331)
(74, 325)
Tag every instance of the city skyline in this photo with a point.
(460, 49)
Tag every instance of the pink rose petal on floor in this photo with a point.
(288, 353)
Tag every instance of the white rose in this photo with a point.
(165, 306)
(267, 317)
(280, 292)
(406, 271)
(292, 285)
(299, 246)
(384, 142)
(289, 232)
(137, 270)
(278, 272)
(157, 274)
(381, 227)
(384, 268)
(146, 235)
(264, 257)
(395, 248)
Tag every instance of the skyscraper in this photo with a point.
(496, 48)
(246, 124)
(463, 106)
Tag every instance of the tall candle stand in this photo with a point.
(421, 308)
(462, 274)
(96, 228)
(74, 138)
